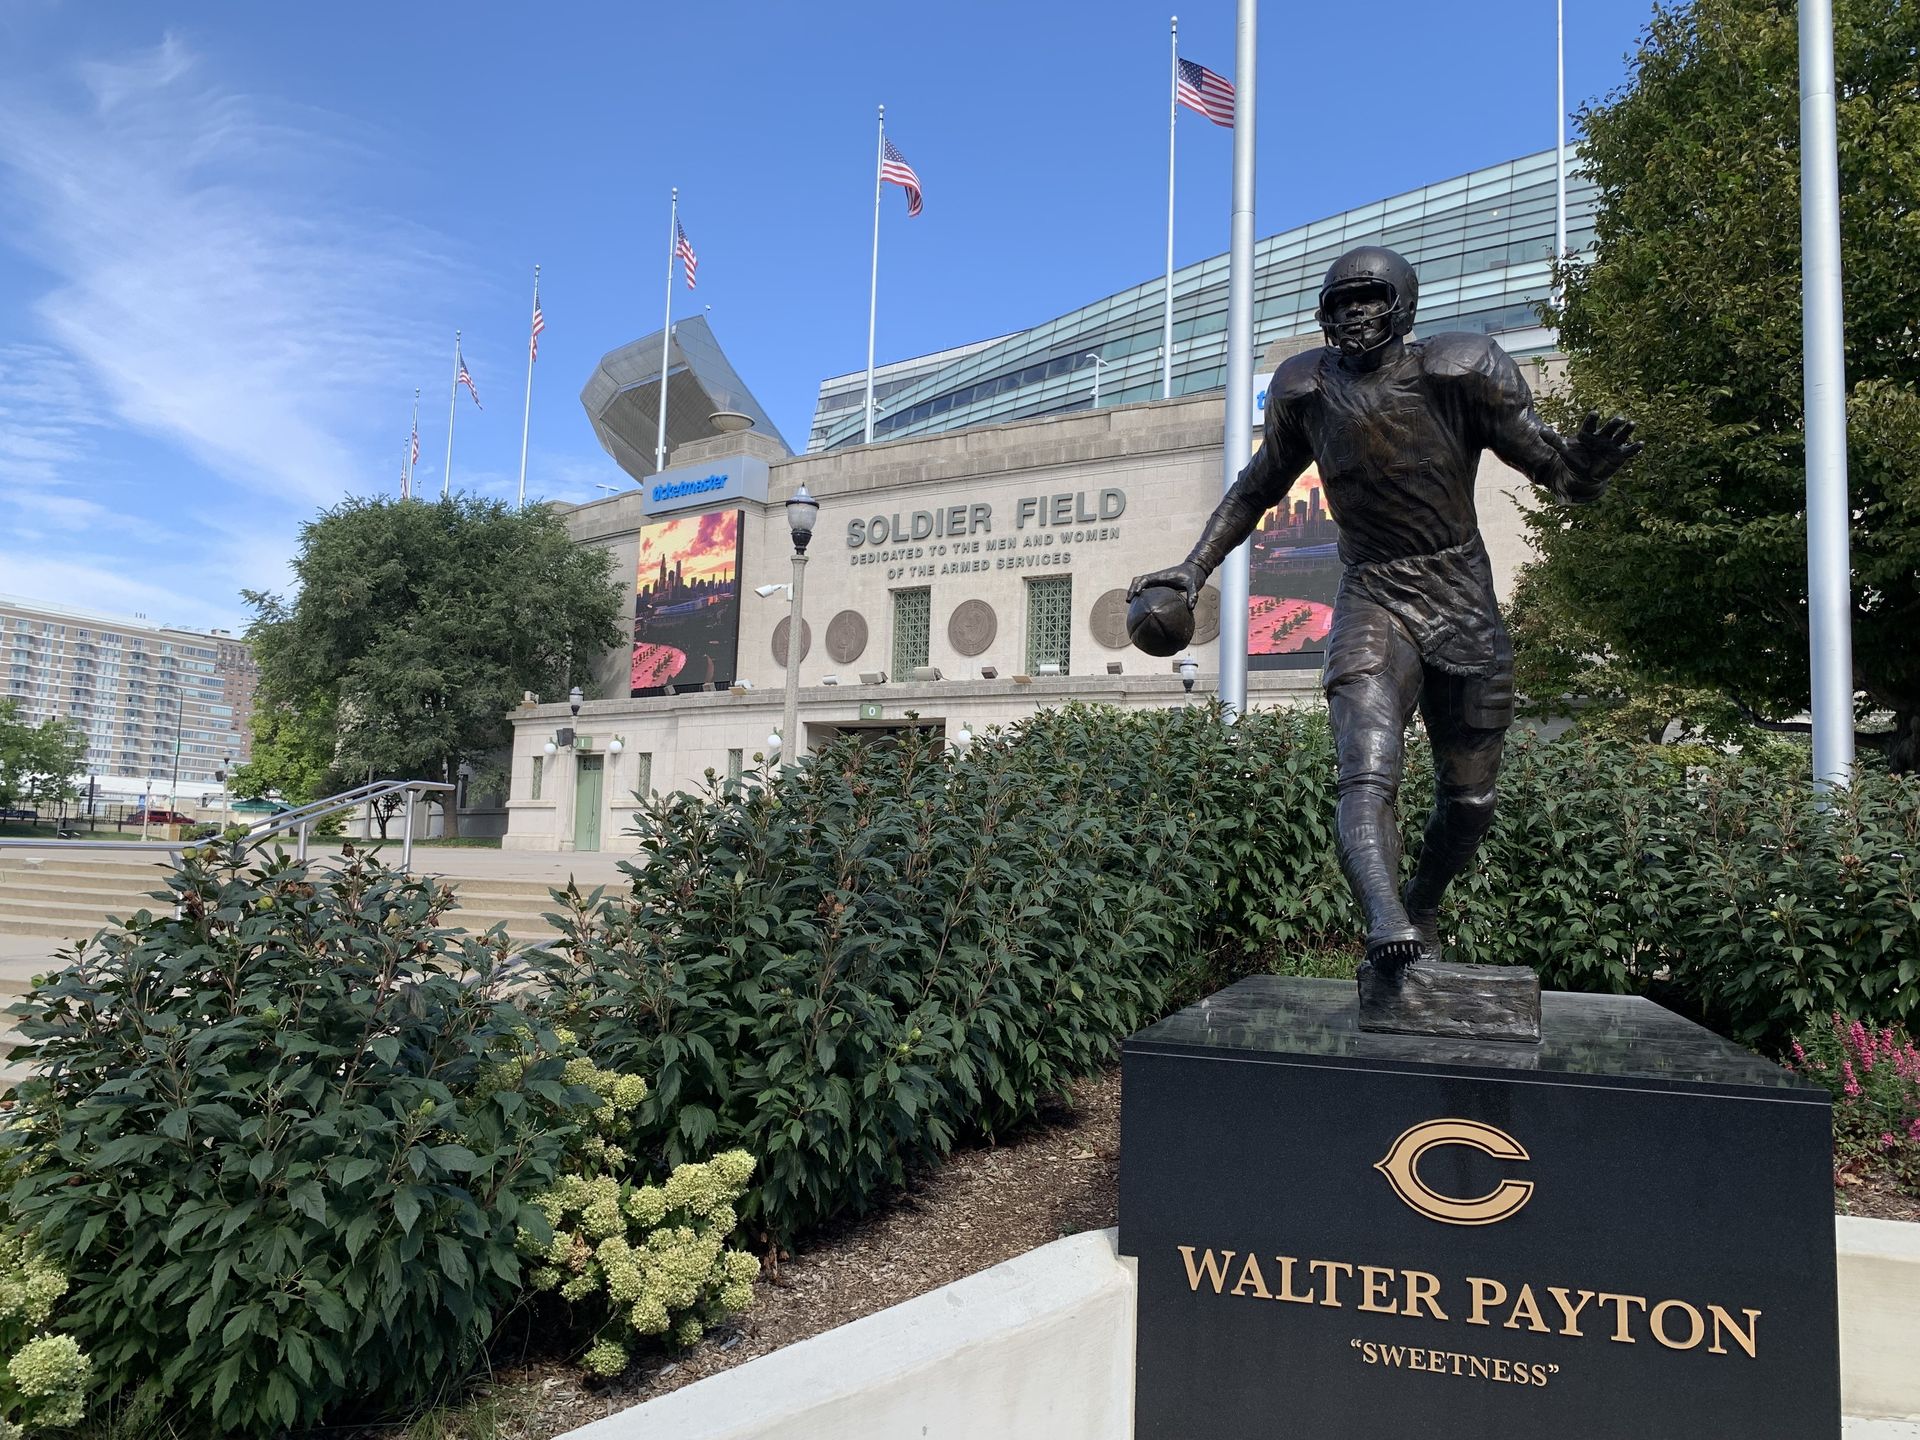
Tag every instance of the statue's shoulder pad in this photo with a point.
(1456, 354)
(1297, 377)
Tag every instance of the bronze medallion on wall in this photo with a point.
(1109, 620)
(972, 626)
(846, 637)
(780, 640)
(1206, 616)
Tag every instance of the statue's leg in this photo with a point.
(1466, 721)
(1373, 682)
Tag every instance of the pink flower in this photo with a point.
(1799, 1055)
(1913, 1130)
(1853, 1085)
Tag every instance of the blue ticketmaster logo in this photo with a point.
(680, 489)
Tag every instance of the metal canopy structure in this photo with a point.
(622, 397)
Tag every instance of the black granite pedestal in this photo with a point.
(1624, 1232)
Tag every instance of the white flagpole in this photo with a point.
(446, 485)
(406, 461)
(412, 436)
(1173, 115)
(526, 416)
(1560, 133)
(1233, 574)
(873, 289)
(1824, 386)
(666, 334)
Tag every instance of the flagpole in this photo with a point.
(1560, 134)
(413, 440)
(406, 459)
(873, 288)
(453, 394)
(1173, 115)
(526, 416)
(1233, 575)
(666, 335)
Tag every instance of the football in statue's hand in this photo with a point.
(1159, 621)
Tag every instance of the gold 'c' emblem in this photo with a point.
(1401, 1166)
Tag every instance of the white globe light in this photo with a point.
(550, 747)
(773, 741)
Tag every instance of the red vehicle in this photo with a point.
(157, 817)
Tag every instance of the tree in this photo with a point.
(416, 629)
(38, 762)
(292, 753)
(1687, 318)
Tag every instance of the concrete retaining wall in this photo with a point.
(1041, 1348)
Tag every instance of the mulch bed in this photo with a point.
(984, 1206)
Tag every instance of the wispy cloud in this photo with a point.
(208, 280)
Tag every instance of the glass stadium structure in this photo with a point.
(1481, 242)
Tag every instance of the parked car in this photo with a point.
(28, 815)
(156, 817)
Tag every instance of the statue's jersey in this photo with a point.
(1397, 447)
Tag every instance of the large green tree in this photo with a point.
(38, 763)
(416, 629)
(1687, 318)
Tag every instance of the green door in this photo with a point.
(588, 777)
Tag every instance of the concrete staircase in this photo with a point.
(54, 896)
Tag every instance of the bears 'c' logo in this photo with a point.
(1401, 1166)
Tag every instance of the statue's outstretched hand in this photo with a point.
(1186, 577)
(1595, 452)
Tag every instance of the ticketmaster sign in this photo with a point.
(705, 487)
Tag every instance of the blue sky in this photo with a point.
(234, 237)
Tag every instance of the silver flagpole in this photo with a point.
(526, 415)
(446, 485)
(666, 335)
(406, 459)
(1173, 116)
(1829, 605)
(412, 438)
(1560, 136)
(1233, 574)
(873, 287)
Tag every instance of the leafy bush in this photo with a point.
(283, 1143)
(1874, 1075)
(1724, 891)
(46, 1376)
(845, 968)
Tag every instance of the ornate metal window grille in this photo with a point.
(643, 774)
(736, 762)
(912, 630)
(533, 786)
(1049, 623)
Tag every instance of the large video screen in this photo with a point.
(686, 603)
(1293, 575)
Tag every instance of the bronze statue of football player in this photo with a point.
(1396, 427)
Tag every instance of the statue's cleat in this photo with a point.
(1426, 922)
(1392, 952)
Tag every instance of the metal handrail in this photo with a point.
(299, 820)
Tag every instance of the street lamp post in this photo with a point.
(173, 788)
(802, 509)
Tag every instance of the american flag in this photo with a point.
(416, 442)
(1200, 89)
(539, 324)
(683, 247)
(463, 378)
(894, 167)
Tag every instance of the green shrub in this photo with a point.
(847, 966)
(1726, 891)
(283, 1143)
(843, 969)
(46, 1376)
